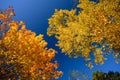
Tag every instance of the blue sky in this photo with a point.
(35, 14)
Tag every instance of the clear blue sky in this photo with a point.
(35, 14)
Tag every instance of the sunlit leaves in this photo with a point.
(2, 16)
(22, 47)
(96, 22)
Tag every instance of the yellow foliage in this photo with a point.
(23, 46)
(95, 22)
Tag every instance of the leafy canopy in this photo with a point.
(105, 76)
(94, 28)
(25, 50)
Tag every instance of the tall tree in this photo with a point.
(95, 28)
(23, 54)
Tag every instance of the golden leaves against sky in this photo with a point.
(96, 22)
(24, 47)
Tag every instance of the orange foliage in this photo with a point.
(22, 46)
